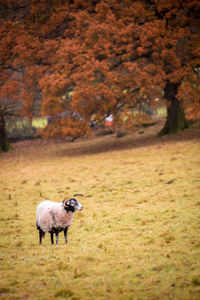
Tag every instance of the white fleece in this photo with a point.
(52, 214)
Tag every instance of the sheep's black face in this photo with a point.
(72, 205)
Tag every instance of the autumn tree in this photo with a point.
(17, 88)
(89, 58)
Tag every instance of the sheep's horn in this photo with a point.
(65, 202)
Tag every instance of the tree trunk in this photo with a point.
(4, 145)
(175, 113)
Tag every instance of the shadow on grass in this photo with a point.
(112, 143)
(147, 137)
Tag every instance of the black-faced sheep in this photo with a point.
(54, 217)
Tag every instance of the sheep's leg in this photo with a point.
(52, 242)
(65, 235)
(57, 237)
(40, 235)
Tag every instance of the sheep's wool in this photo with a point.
(53, 215)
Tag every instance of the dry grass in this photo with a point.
(138, 235)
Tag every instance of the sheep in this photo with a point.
(54, 217)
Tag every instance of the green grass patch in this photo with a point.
(162, 111)
(21, 127)
(39, 122)
(137, 236)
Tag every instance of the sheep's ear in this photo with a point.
(66, 202)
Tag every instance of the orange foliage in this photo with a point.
(96, 57)
(66, 126)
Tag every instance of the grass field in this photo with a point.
(138, 236)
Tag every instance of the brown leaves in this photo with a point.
(102, 53)
(66, 126)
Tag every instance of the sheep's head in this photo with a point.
(72, 204)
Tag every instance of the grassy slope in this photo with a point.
(137, 237)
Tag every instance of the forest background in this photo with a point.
(84, 60)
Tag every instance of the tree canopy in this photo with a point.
(89, 58)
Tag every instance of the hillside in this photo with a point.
(138, 234)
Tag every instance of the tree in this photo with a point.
(18, 84)
(100, 57)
